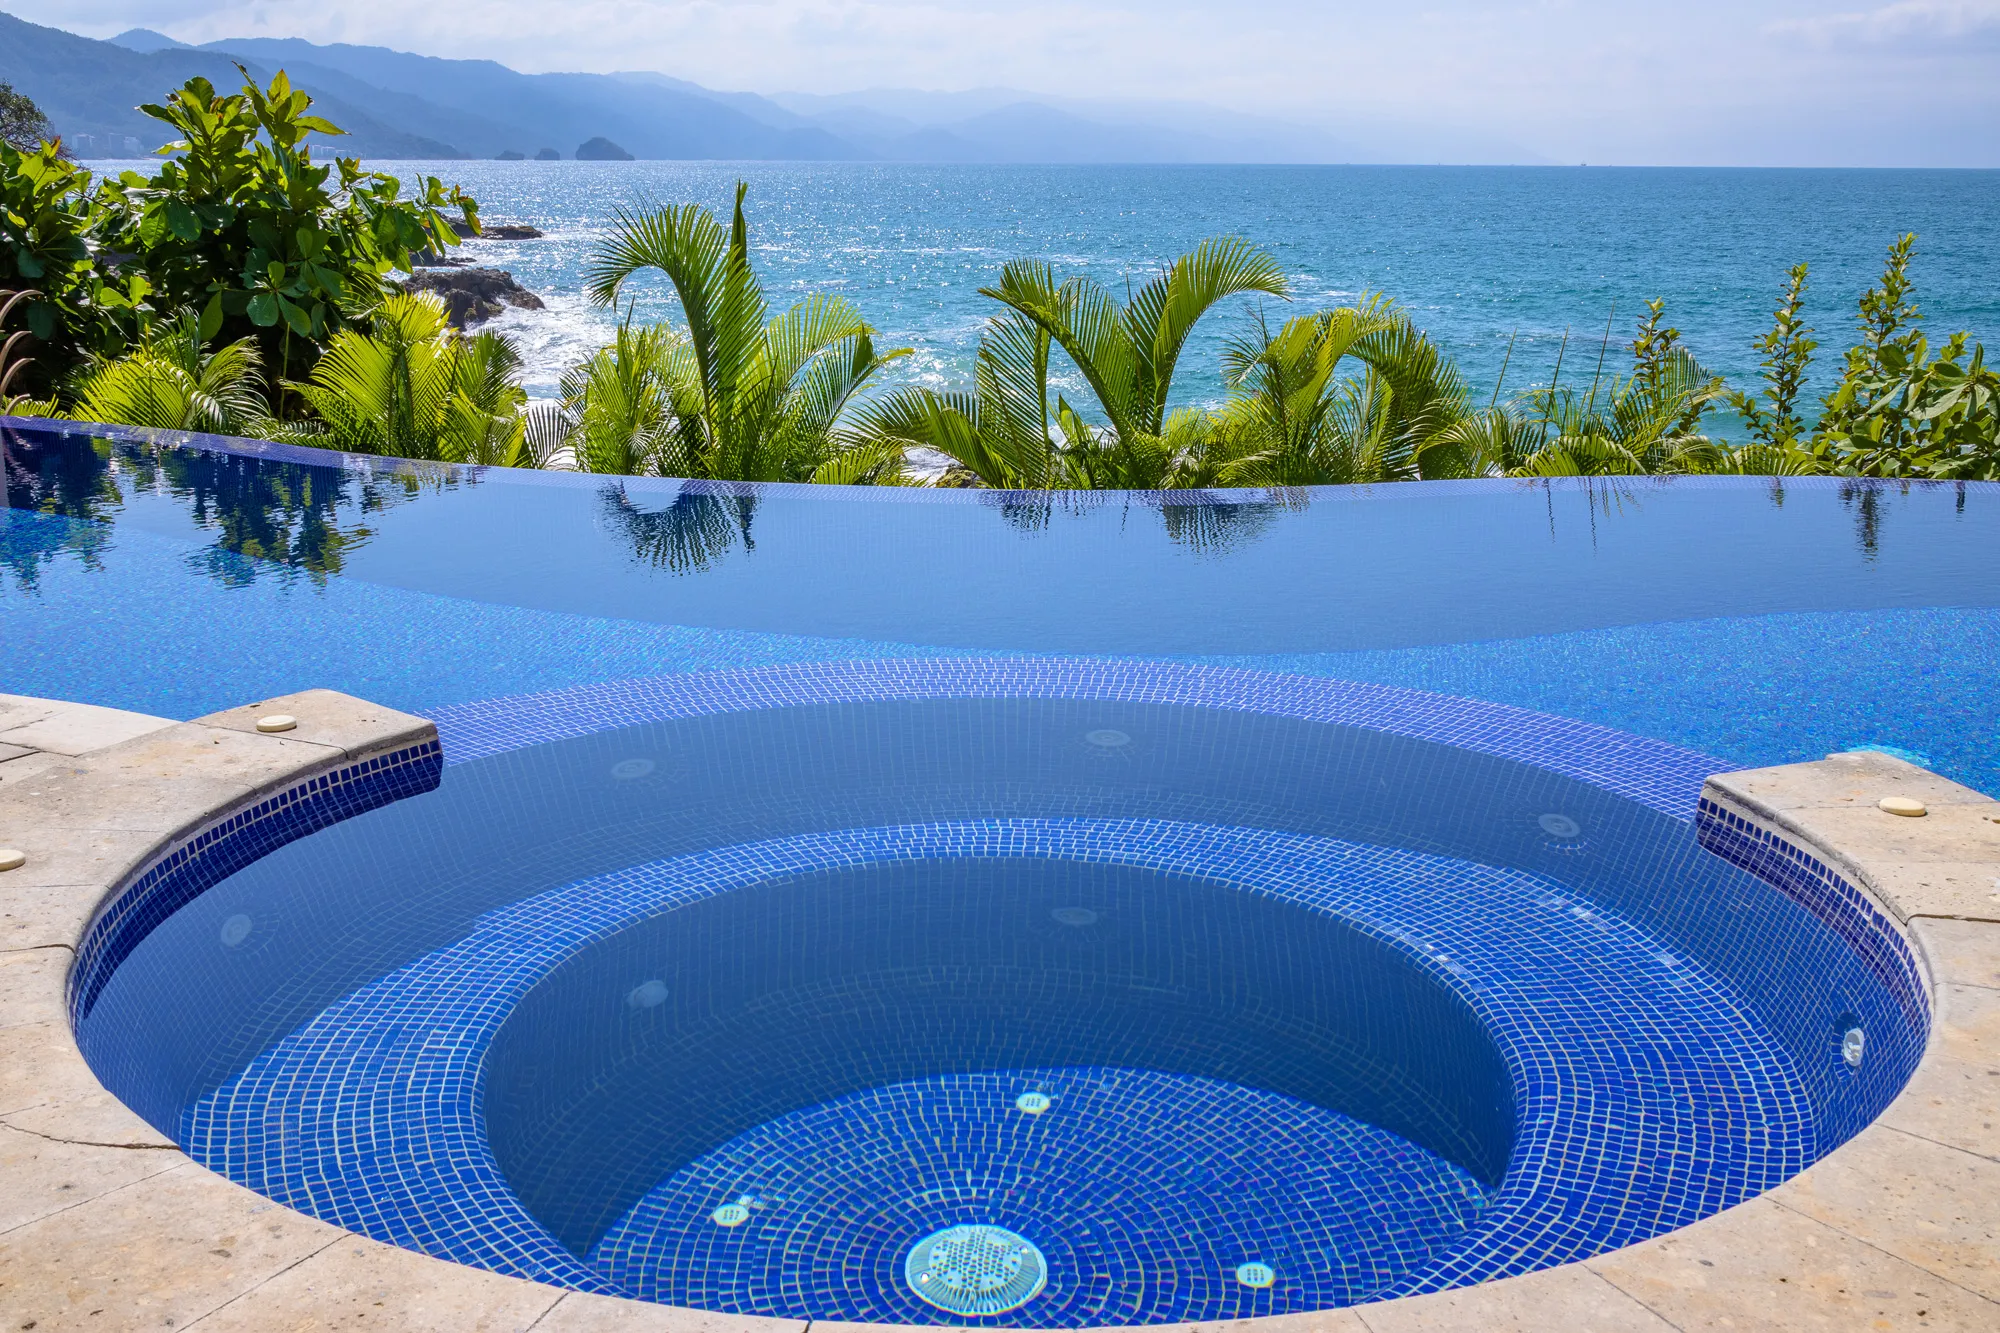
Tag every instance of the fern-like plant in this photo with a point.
(172, 380)
(414, 387)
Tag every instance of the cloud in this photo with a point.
(1737, 81)
(1948, 29)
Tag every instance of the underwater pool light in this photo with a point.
(647, 995)
(1559, 826)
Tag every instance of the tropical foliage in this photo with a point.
(22, 123)
(242, 225)
(172, 381)
(414, 387)
(1004, 432)
(80, 306)
(243, 286)
(238, 223)
(1354, 394)
(1900, 409)
(733, 391)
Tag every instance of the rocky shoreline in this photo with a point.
(473, 295)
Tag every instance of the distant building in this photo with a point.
(104, 145)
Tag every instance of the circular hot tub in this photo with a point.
(1033, 992)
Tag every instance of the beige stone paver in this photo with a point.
(43, 1093)
(1964, 953)
(357, 1284)
(1965, 1024)
(1572, 1298)
(581, 1312)
(170, 1247)
(1952, 1102)
(46, 1176)
(1762, 1266)
(1922, 1201)
(31, 986)
(56, 727)
(327, 717)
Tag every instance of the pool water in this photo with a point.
(1758, 620)
(1049, 911)
(729, 992)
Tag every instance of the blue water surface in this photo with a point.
(1487, 258)
(1758, 621)
(650, 942)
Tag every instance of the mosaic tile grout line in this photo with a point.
(221, 847)
(1659, 775)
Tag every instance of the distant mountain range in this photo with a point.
(397, 105)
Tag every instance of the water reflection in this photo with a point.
(1208, 525)
(270, 517)
(299, 518)
(61, 483)
(690, 535)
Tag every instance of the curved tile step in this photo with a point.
(103, 1225)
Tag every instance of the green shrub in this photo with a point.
(242, 225)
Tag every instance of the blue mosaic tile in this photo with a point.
(1645, 1097)
(219, 849)
(1144, 1190)
(1660, 776)
(1653, 1061)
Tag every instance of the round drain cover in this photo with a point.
(976, 1270)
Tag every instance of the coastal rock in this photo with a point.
(498, 231)
(601, 149)
(547, 155)
(510, 155)
(473, 295)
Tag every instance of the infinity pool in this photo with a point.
(1050, 912)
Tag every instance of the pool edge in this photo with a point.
(121, 1222)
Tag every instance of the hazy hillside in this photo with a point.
(94, 88)
(485, 108)
(398, 105)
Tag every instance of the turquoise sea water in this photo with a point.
(1479, 254)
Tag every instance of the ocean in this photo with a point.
(1483, 257)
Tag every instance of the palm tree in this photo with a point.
(1004, 433)
(1647, 423)
(1297, 417)
(998, 435)
(414, 387)
(172, 382)
(733, 394)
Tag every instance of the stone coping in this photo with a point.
(105, 1225)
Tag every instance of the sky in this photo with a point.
(1712, 82)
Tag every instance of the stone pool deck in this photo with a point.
(105, 1225)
